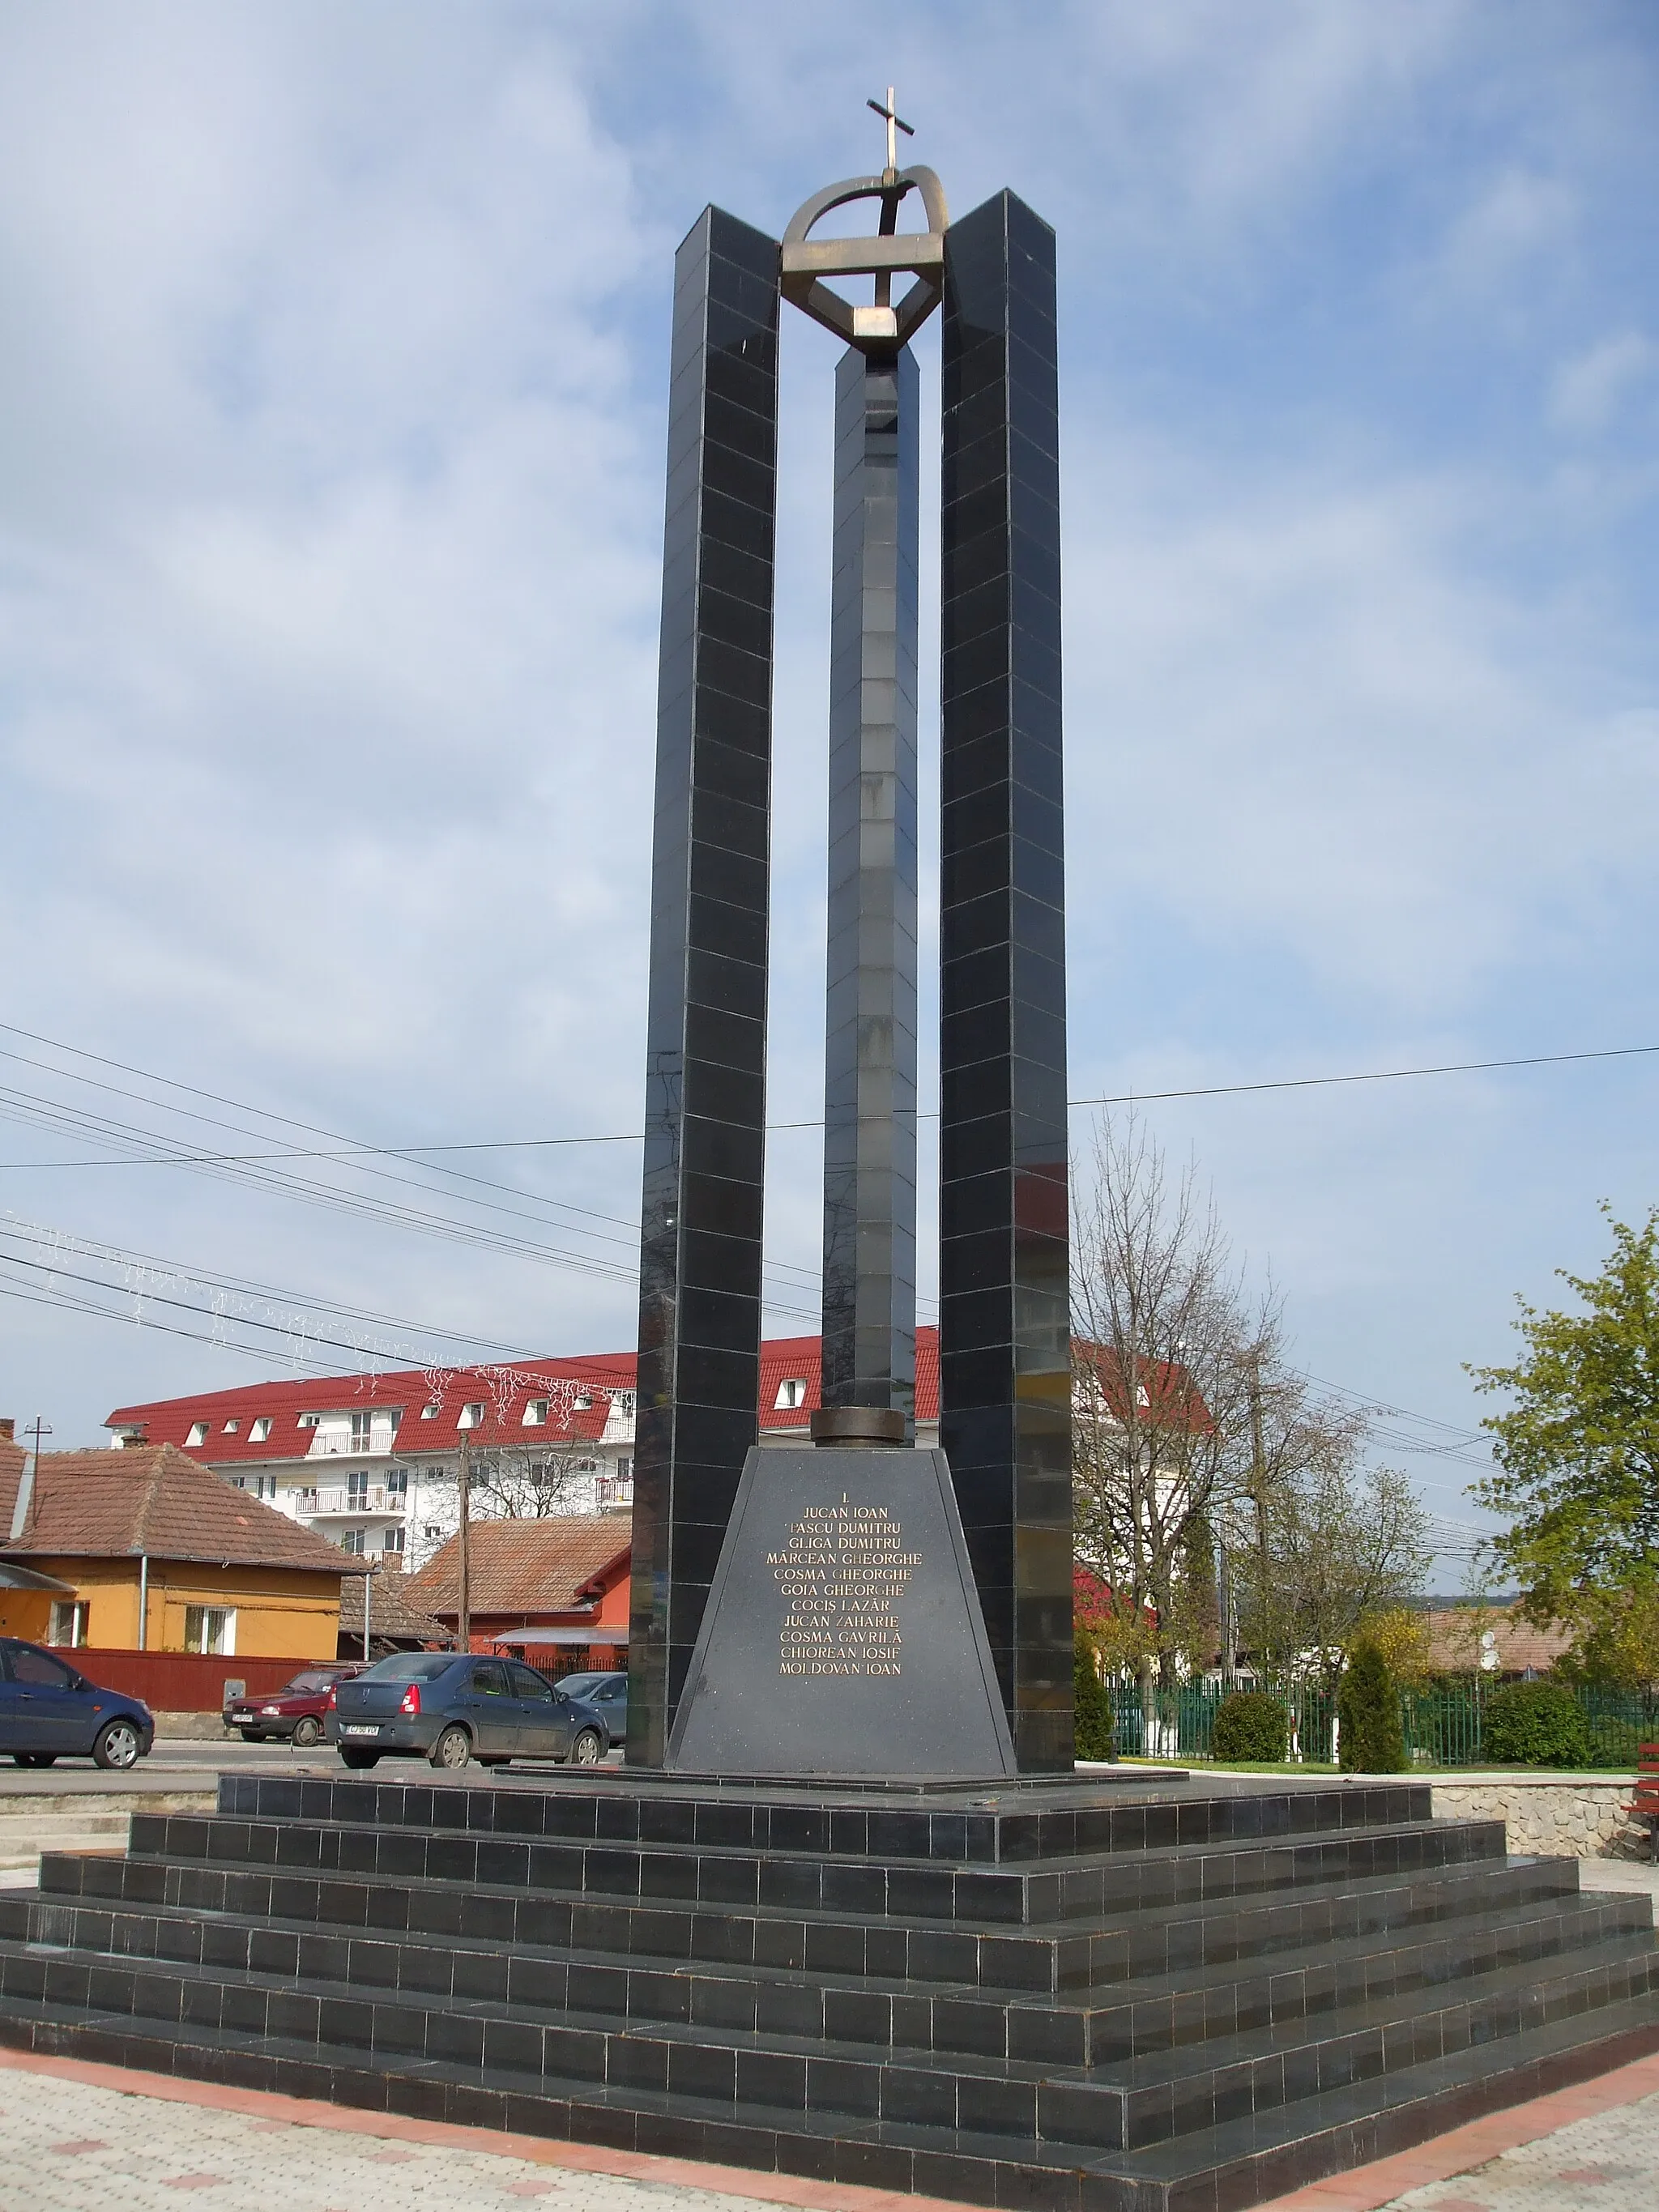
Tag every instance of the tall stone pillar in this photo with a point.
(870, 1073)
(1005, 1331)
(705, 1111)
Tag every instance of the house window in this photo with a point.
(211, 1629)
(535, 1413)
(471, 1415)
(624, 1470)
(396, 1482)
(393, 1540)
(260, 1430)
(198, 1434)
(791, 1392)
(395, 1418)
(357, 1488)
(432, 1533)
(310, 1420)
(360, 1431)
(232, 1428)
(584, 1402)
(430, 1412)
(69, 1622)
(352, 1540)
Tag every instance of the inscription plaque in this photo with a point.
(843, 1633)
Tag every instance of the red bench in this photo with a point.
(1645, 1805)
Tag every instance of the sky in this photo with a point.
(332, 412)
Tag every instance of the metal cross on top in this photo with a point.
(895, 124)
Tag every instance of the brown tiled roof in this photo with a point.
(525, 1566)
(1453, 1637)
(390, 1612)
(156, 1499)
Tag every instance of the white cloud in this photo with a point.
(1590, 390)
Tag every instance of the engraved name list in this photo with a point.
(841, 1574)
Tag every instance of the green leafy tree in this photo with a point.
(1368, 1708)
(1578, 1449)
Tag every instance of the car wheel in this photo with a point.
(361, 1759)
(308, 1732)
(116, 1746)
(587, 1750)
(36, 1757)
(452, 1749)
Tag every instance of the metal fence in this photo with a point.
(1442, 1727)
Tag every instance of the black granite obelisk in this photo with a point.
(870, 1072)
(706, 1066)
(1005, 1331)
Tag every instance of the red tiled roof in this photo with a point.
(503, 1392)
(118, 1505)
(524, 1567)
(391, 1615)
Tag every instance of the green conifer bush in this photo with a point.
(1095, 1730)
(1368, 1709)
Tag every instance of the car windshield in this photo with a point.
(409, 1666)
(576, 1685)
(306, 1685)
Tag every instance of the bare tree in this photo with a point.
(1339, 1544)
(1161, 1392)
(529, 1482)
(1190, 1430)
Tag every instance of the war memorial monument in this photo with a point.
(848, 1910)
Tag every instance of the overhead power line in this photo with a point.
(418, 1153)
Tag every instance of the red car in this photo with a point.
(293, 1714)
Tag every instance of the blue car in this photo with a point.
(48, 1712)
(453, 1706)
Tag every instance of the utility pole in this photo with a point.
(369, 1585)
(37, 1429)
(464, 1496)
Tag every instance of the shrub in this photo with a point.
(1093, 1720)
(1368, 1709)
(1250, 1725)
(1535, 1724)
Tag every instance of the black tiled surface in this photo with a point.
(705, 1050)
(1005, 1338)
(1233, 1993)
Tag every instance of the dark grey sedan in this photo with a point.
(452, 1706)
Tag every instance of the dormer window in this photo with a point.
(472, 1415)
(260, 1430)
(792, 1394)
(430, 1412)
(535, 1413)
(232, 1427)
(584, 1402)
(198, 1435)
(310, 1420)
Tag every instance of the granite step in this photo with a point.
(1033, 1961)
(1113, 2106)
(1080, 2028)
(1234, 2164)
(1083, 1889)
(989, 1827)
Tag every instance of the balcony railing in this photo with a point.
(374, 1498)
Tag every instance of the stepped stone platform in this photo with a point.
(1090, 1996)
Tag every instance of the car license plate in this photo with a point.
(358, 1729)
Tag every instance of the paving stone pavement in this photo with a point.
(66, 2146)
(70, 2145)
(1609, 2163)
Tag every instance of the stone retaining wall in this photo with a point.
(1567, 1816)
